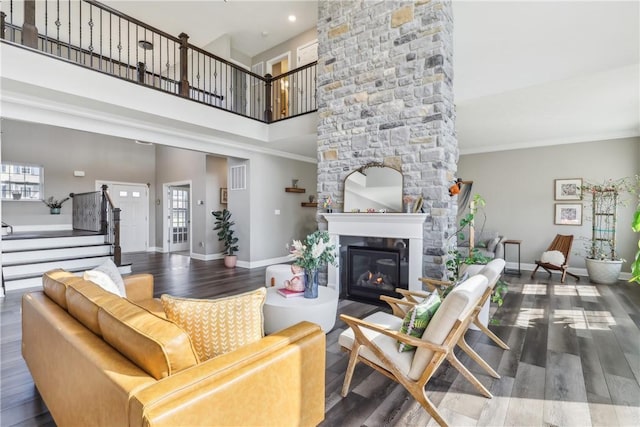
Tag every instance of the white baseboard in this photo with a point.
(582, 272)
(43, 227)
(266, 262)
(155, 249)
(209, 257)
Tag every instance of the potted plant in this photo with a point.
(54, 205)
(225, 234)
(602, 260)
(635, 226)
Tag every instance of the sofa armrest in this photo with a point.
(500, 248)
(278, 380)
(139, 287)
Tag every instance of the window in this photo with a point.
(22, 182)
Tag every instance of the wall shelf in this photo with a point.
(294, 190)
(309, 205)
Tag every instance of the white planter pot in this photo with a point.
(605, 272)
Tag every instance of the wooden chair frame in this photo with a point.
(442, 352)
(563, 244)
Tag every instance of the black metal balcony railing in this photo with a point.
(96, 36)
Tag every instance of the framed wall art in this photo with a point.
(568, 189)
(568, 214)
(223, 195)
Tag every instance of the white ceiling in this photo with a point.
(527, 73)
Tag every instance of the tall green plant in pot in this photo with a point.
(225, 235)
(635, 226)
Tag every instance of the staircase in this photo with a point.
(26, 256)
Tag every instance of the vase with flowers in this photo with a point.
(312, 253)
(408, 203)
(328, 204)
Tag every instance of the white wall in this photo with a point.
(290, 45)
(518, 186)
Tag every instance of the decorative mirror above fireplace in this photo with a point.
(373, 186)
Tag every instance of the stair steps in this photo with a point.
(25, 260)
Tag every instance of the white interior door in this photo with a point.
(179, 218)
(133, 201)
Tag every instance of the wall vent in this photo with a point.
(238, 177)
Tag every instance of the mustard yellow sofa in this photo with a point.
(101, 360)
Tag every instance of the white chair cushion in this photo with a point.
(493, 270)
(552, 257)
(388, 345)
(457, 303)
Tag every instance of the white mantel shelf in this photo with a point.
(386, 225)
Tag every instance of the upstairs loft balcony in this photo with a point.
(100, 38)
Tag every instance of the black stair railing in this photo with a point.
(96, 36)
(95, 211)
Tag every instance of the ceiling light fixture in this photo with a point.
(292, 18)
(145, 45)
(144, 142)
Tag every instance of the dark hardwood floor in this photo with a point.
(574, 357)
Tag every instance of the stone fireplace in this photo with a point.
(388, 246)
(385, 95)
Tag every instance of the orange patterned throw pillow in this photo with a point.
(218, 326)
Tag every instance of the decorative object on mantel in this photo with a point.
(417, 207)
(225, 234)
(602, 260)
(327, 204)
(312, 254)
(408, 203)
(54, 205)
(17, 195)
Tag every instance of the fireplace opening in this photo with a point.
(372, 272)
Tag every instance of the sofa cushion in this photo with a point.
(54, 284)
(220, 325)
(84, 299)
(158, 346)
(107, 277)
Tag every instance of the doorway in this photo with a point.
(133, 201)
(280, 89)
(179, 216)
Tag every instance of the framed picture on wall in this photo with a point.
(568, 214)
(568, 189)
(223, 195)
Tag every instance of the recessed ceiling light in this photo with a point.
(292, 18)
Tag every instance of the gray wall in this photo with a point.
(216, 179)
(62, 151)
(518, 186)
(177, 165)
(267, 177)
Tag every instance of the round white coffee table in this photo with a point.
(281, 312)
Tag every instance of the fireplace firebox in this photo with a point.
(372, 272)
